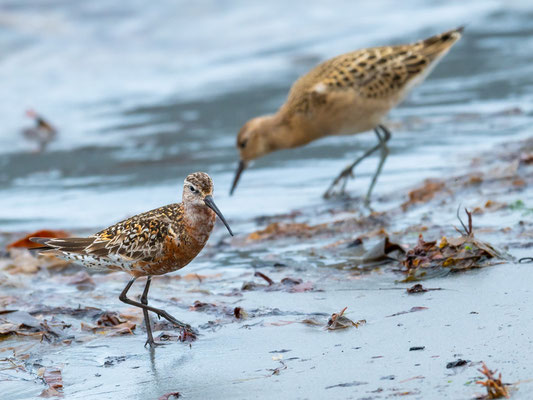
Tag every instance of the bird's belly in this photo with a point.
(348, 114)
(355, 120)
(174, 258)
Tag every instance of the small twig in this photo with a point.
(467, 230)
(470, 227)
(266, 278)
(459, 218)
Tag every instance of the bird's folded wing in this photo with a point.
(144, 240)
(139, 244)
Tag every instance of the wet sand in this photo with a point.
(279, 346)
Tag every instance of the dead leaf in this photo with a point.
(81, 278)
(201, 306)
(110, 323)
(276, 230)
(279, 323)
(21, 323)
(418, 288)
(110, 318)
(380, 253)
(425, 193)
(26, 243)
(302, 287)
(457, 363)
(239, 313)
(52, 377)
(526, 158)
(171, 395)
(311, 321)
(200, 278)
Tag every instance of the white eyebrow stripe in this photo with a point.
(187, 183)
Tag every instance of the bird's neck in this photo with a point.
(286, 131)
(199, 221)
(291, 130)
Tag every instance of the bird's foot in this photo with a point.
(367, 204)
(338, 186)
(188, 332)
(153, 344)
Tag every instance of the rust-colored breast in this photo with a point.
(181, 245)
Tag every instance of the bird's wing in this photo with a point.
(140, 238)
(374, 73)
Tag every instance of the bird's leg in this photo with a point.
(144, 300)
(161, 313)
(384, 153)
(347, 172)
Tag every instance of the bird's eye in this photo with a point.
(242, 144)
(192, 189)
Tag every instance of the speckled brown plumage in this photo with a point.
(152, 243)
(347, 94)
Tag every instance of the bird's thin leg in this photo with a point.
(144, 300)
(347, 172)
(384, 153)
(162, 313)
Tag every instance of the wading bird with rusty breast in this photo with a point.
(152, 243)
(347, 94)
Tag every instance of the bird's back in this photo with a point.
(371, 80)
(151, 243)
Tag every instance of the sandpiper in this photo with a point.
(348, 94)
(42, 133)
(152, 243)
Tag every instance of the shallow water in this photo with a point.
(145, 95)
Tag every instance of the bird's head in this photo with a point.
(257, 137)
(198, 191)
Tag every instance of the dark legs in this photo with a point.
(144, 300)
(347, 173)
(145, 307)
(383, 156)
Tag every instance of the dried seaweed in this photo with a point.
(277, 230)
(451, 254)
(21, 323)
(110, 323)
(424, 193)
(339, 321)
(51, 377)
(496, 389)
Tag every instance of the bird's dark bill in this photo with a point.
(240, 168)
(209, 202)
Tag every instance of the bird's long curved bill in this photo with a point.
(240, 168)
(209, 202)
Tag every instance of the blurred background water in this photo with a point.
(144, 93)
